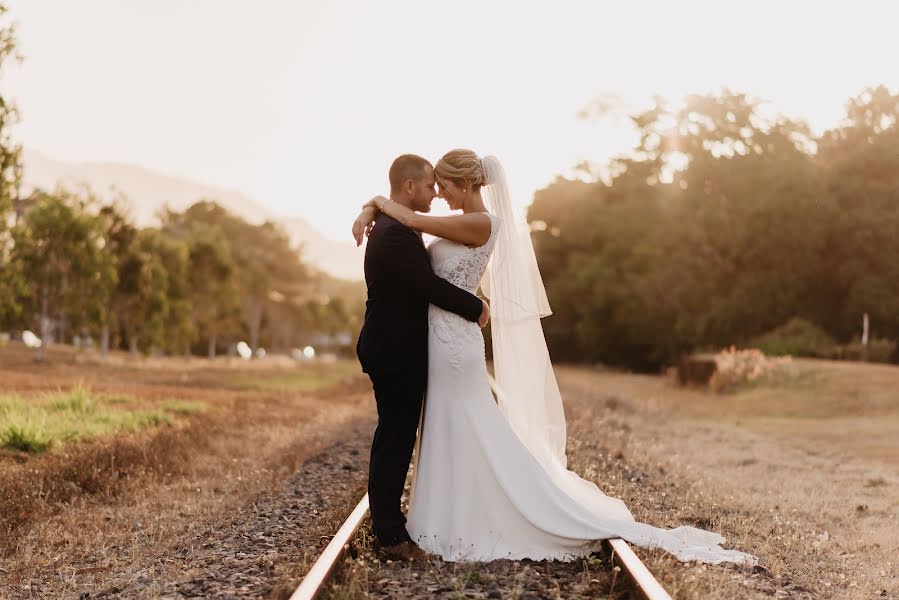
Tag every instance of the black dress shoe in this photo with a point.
(407, 551)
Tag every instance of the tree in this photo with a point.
(118, 234)
(270, 269)
(10, 152)
(177, 329)
(11, 282)
(212, 286)
(58, 246)
(860, 162)
(266, 268)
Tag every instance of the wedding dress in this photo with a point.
(482, 488)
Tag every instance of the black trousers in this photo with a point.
(399, 398)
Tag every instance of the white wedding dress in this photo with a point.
(478, 493)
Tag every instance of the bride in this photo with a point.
(490, 479)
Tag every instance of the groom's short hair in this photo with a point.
(407, 166)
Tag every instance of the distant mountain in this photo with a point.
(343, 259)
(149, 191)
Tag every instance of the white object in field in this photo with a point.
(308, 352)
(31, 340)
(865, 324)
(260, 353)
(244, 350)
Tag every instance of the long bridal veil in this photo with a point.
(530, 398)
(529, 395)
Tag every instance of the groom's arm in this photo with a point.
(408, 265)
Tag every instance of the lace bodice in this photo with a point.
(460, 265)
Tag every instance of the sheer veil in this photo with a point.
(530, 398)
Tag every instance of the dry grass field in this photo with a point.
(111, 465)
(803, 472)
(136, 476)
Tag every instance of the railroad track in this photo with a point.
(622, 554)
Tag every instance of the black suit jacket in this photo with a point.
(401, 285)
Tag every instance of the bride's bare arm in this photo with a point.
(471, 229)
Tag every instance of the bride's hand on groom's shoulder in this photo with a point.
(363, 224)
(485, 314)
(360, 230)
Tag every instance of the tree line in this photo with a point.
(726, 225)
(75, 267)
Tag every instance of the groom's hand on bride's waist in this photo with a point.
(485, 315)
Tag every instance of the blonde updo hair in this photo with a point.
(462, 167)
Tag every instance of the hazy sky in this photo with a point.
(303, 104)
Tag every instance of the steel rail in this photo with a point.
(317, 576)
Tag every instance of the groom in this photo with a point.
(393, 345)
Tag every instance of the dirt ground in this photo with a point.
(237, 501)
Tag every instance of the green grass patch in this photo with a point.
(40, 423)
(184, 407)
(21, 438)
(303, 379)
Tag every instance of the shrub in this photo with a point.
(739, 367)
(797, 337)
(878, 350)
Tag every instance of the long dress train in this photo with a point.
(478, 494)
